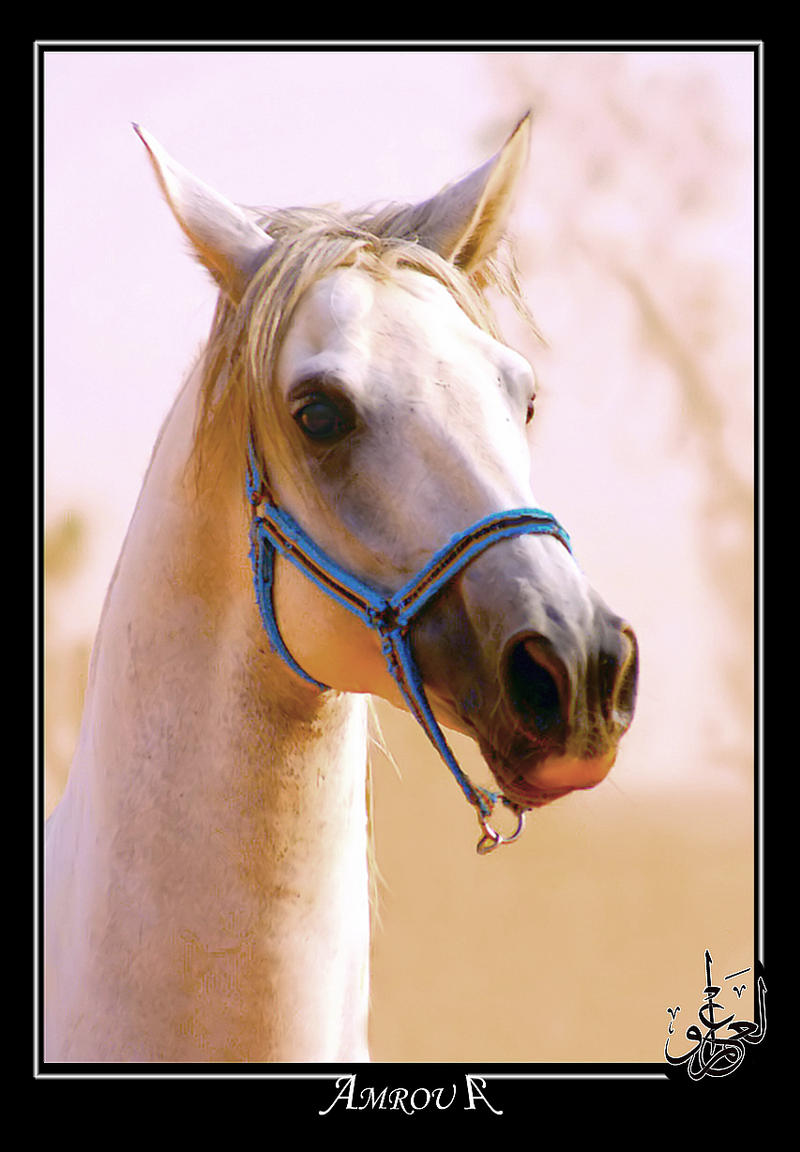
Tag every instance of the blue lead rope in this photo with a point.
(275, 530)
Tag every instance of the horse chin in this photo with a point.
(533, 781)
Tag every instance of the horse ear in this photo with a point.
(227, 241)
(465, 221)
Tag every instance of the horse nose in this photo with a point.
(550, 694)
(536, 684)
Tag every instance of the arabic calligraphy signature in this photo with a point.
(712, 1054)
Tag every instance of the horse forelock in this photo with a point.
(237, 391)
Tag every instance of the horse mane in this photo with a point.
(238, 364)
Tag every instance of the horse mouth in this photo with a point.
(530, 775)
(525, 794)
(534, 781)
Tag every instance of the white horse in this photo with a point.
(353, 416)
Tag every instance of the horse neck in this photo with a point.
(215, 816)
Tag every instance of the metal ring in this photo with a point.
(492, 839)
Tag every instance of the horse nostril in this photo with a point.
(617, 675)
(534, 681)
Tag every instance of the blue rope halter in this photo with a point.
(274, 530)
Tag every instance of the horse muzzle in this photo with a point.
(536, 667)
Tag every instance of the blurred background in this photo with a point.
(635, 235)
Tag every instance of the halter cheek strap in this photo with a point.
(274, 530)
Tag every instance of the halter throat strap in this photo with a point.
(273, 530)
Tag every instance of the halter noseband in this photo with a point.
(274, 530)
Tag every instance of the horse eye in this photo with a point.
(529, 414)
(321, 419)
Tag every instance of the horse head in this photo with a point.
(388, 417)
